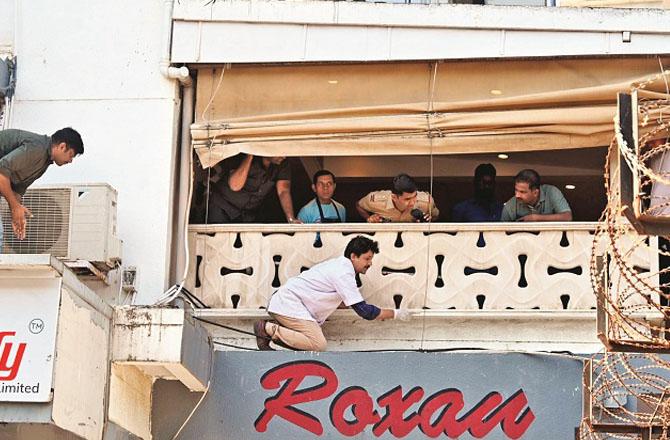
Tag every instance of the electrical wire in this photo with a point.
(665, 77)
(167, 297)
(430, 196)
(209, 383)
(227, 327)
(213, 96)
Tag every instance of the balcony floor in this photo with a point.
(510, 330)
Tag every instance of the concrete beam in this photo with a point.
(250, 31)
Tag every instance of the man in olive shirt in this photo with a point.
(403, 203)
(535, 202)
(24, 157)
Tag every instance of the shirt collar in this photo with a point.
(348, 260)
(542, 196)
(389, 203)
(50, 159)
(540, 200)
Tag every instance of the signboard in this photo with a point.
(490, 395)
(28, 318)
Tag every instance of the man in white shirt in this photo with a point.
(302, 305)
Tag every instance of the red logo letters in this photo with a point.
(293, 373)
(7, 371)
(436, 416)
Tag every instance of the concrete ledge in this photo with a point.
(395, 227)
(17, 265)
(165, 343)
(526, 330)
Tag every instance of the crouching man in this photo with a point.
(302, 305)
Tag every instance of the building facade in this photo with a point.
(366, 90)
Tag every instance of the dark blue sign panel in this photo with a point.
(491, 395)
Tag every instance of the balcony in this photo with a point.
(502, 286)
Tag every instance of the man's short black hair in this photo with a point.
(402, 183)
(360, 245)
(531, 177)
(71, 138)
(485, 169)
(322, 173)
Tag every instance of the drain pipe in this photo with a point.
(178, 73)
(184, 189)
(178, 257)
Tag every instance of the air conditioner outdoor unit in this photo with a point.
(72, 222)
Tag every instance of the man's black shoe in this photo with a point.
(262, 337)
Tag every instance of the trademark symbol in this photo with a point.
(36, 326)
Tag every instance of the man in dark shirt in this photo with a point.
(239, 185)
(24, 157)
(483, 207)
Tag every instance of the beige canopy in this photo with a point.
(413, 108)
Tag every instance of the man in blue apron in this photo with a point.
(322, 208)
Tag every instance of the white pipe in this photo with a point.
(185, 185)
(179, 258)
(178, 73)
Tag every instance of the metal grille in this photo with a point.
(48, 228)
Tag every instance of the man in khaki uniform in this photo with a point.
(397, 204)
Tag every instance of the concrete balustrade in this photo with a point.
(437, 266)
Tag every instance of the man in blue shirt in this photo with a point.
(483, 207)
(322, 208)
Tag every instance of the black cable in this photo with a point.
(227, 327)
(381, 350)
(200, 304)
(419, 350)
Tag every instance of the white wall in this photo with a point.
(6, 25)
(93, 65)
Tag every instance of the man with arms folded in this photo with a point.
(302, 305)
(322, 208)
(403, 203)
(535, 202)
(24, 157)
(240, 184)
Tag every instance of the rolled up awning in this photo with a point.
(413, 108)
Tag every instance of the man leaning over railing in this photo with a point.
(535, 202)
(403, 203)
(24, 157)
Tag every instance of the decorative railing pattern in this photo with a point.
(437, 266)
